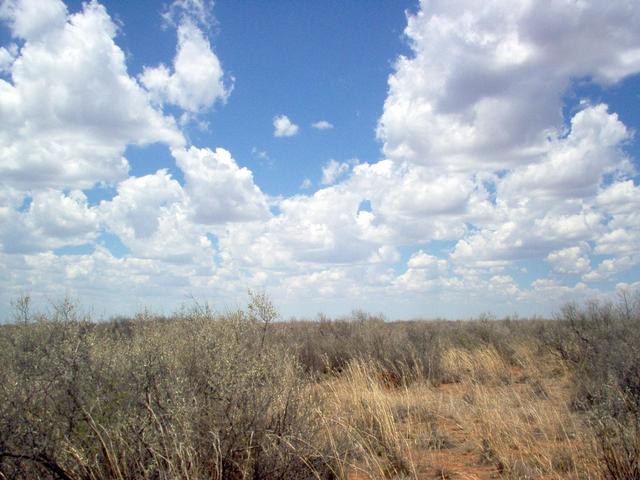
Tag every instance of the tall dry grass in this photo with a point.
(522, 422)
(358, 412)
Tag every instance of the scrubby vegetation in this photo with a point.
(240, 395)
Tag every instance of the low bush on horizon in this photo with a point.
(238, 395)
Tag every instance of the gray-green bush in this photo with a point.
(200, 396)
(601, 342)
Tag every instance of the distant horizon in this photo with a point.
(418, 159)
(86, 312)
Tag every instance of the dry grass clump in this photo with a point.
(482, 365)
(515, 426)
(360, 413)
(529, 436)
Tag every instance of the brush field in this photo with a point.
(239, 395)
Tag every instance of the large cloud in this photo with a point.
(474, 116)
(484, 86)
(551, 204)
(71, 108)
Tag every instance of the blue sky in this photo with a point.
(420, 159)
(311, 61)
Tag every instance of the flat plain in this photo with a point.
(203, 394)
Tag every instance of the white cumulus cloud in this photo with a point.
(571, 260)
(283, 127)
(33, 19)
(75, 137)
(218, 190)
(464, 98)
(196, 81)
(53, 219)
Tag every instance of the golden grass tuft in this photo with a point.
(359, 411)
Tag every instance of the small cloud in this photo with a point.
(187, 118)
(332, 171)
(322, 125)
(283, 127)
(198, 11)
(196, 80)
(262, 156)
(306, 184)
